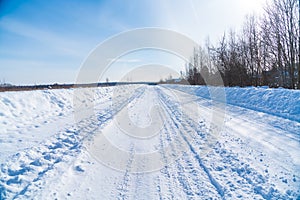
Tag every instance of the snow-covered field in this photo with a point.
(150, 142)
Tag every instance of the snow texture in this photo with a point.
(246, 147)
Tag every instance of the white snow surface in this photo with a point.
(150, 142)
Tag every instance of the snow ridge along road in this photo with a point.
(149, 142)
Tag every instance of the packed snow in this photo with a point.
(150, 142)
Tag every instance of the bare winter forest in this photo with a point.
(265, 52)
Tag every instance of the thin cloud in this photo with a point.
(117, 60)
(50, 39)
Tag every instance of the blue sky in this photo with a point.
(47, 41)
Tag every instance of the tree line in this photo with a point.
(265, 52)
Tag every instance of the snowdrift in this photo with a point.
(19, 109)
(280, 102)
(45, 155)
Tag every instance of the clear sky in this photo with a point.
(47, 41)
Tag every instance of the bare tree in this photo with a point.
(267, 51)
(282, 25)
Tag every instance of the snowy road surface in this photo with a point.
(145, 142)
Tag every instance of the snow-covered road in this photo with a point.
(145, 142)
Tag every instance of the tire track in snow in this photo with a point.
(165, 170)
(27, 168)
(30, 166)
(250, 169)
(123, 187)
(142, 184)
(173, 110)
(171, 187)
(158, 184)
(181, 177)
(194, 183)
(239, 173)
(185, 173)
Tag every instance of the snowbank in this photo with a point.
(254, 157)
(279, 102)
(19, 109)
(22, 109)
